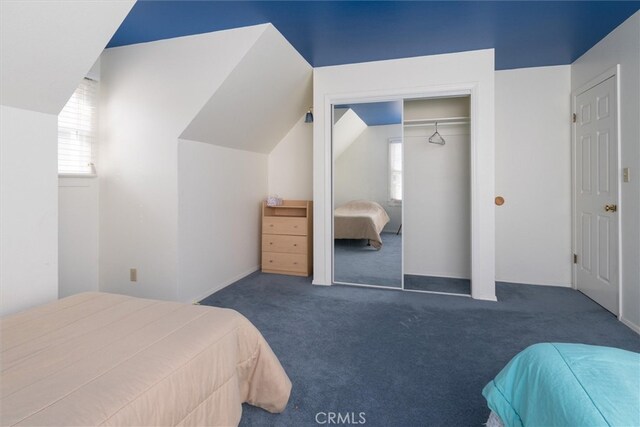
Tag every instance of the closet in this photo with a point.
(437, 195)
(419, 173)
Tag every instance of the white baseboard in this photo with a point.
(226, 283)
(635, 328)
(317, 283)
(320, 284)
(492, 299)
(520, 282)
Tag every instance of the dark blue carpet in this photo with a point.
(404, 358)
(437, 284)
(355, 262)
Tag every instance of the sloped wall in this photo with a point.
(187, 125)
(150, 93)
(345, 131)
(223, 163)
(260, 101)
(47, 48)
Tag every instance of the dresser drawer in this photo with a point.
(282, 243)
(274, 261)
(284, 225)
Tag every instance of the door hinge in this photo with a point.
(575, 258)
(574, 118)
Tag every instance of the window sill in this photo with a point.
(77, 175)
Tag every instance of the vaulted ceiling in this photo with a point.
(524, 33)
(48, 47)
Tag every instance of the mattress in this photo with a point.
(360, 219)
(106, 359)
(553, 384)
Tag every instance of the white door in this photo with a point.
(596, 223)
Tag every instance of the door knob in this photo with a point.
(610, 208)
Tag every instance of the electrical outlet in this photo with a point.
(133, 274)
(625, 175)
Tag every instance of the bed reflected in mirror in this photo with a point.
(367, 181)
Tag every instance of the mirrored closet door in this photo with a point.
(367, 194)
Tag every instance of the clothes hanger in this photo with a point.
(436, 138)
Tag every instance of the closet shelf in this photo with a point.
(441, 121)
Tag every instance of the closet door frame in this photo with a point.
(481, 225)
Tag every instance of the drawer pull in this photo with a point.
(270, 260)
(270, 225)
(295, 244)
(271, 243)
(295, 263)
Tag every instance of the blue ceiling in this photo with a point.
(377, 113)
(524, 34)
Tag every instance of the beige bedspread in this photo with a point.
(360, 219)
(106, 359)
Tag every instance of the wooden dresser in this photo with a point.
(287, 238)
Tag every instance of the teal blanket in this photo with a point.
(567, 385)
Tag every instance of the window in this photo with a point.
(77, 131)
(395, 171)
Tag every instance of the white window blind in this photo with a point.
(395, 170)
(77, 130)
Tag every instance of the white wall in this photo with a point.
(362, 171)
(28, 209)
(386, 79)
(220, 191)
(77, 235)
(437, 202)
(290, 164)
(47, 47)
(533, 174)
(622, 46)
(150, 93)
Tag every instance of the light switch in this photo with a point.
(625, 175)
(133, 274)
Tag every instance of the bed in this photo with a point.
(107, 359)
(360, 219)
(552, 384)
